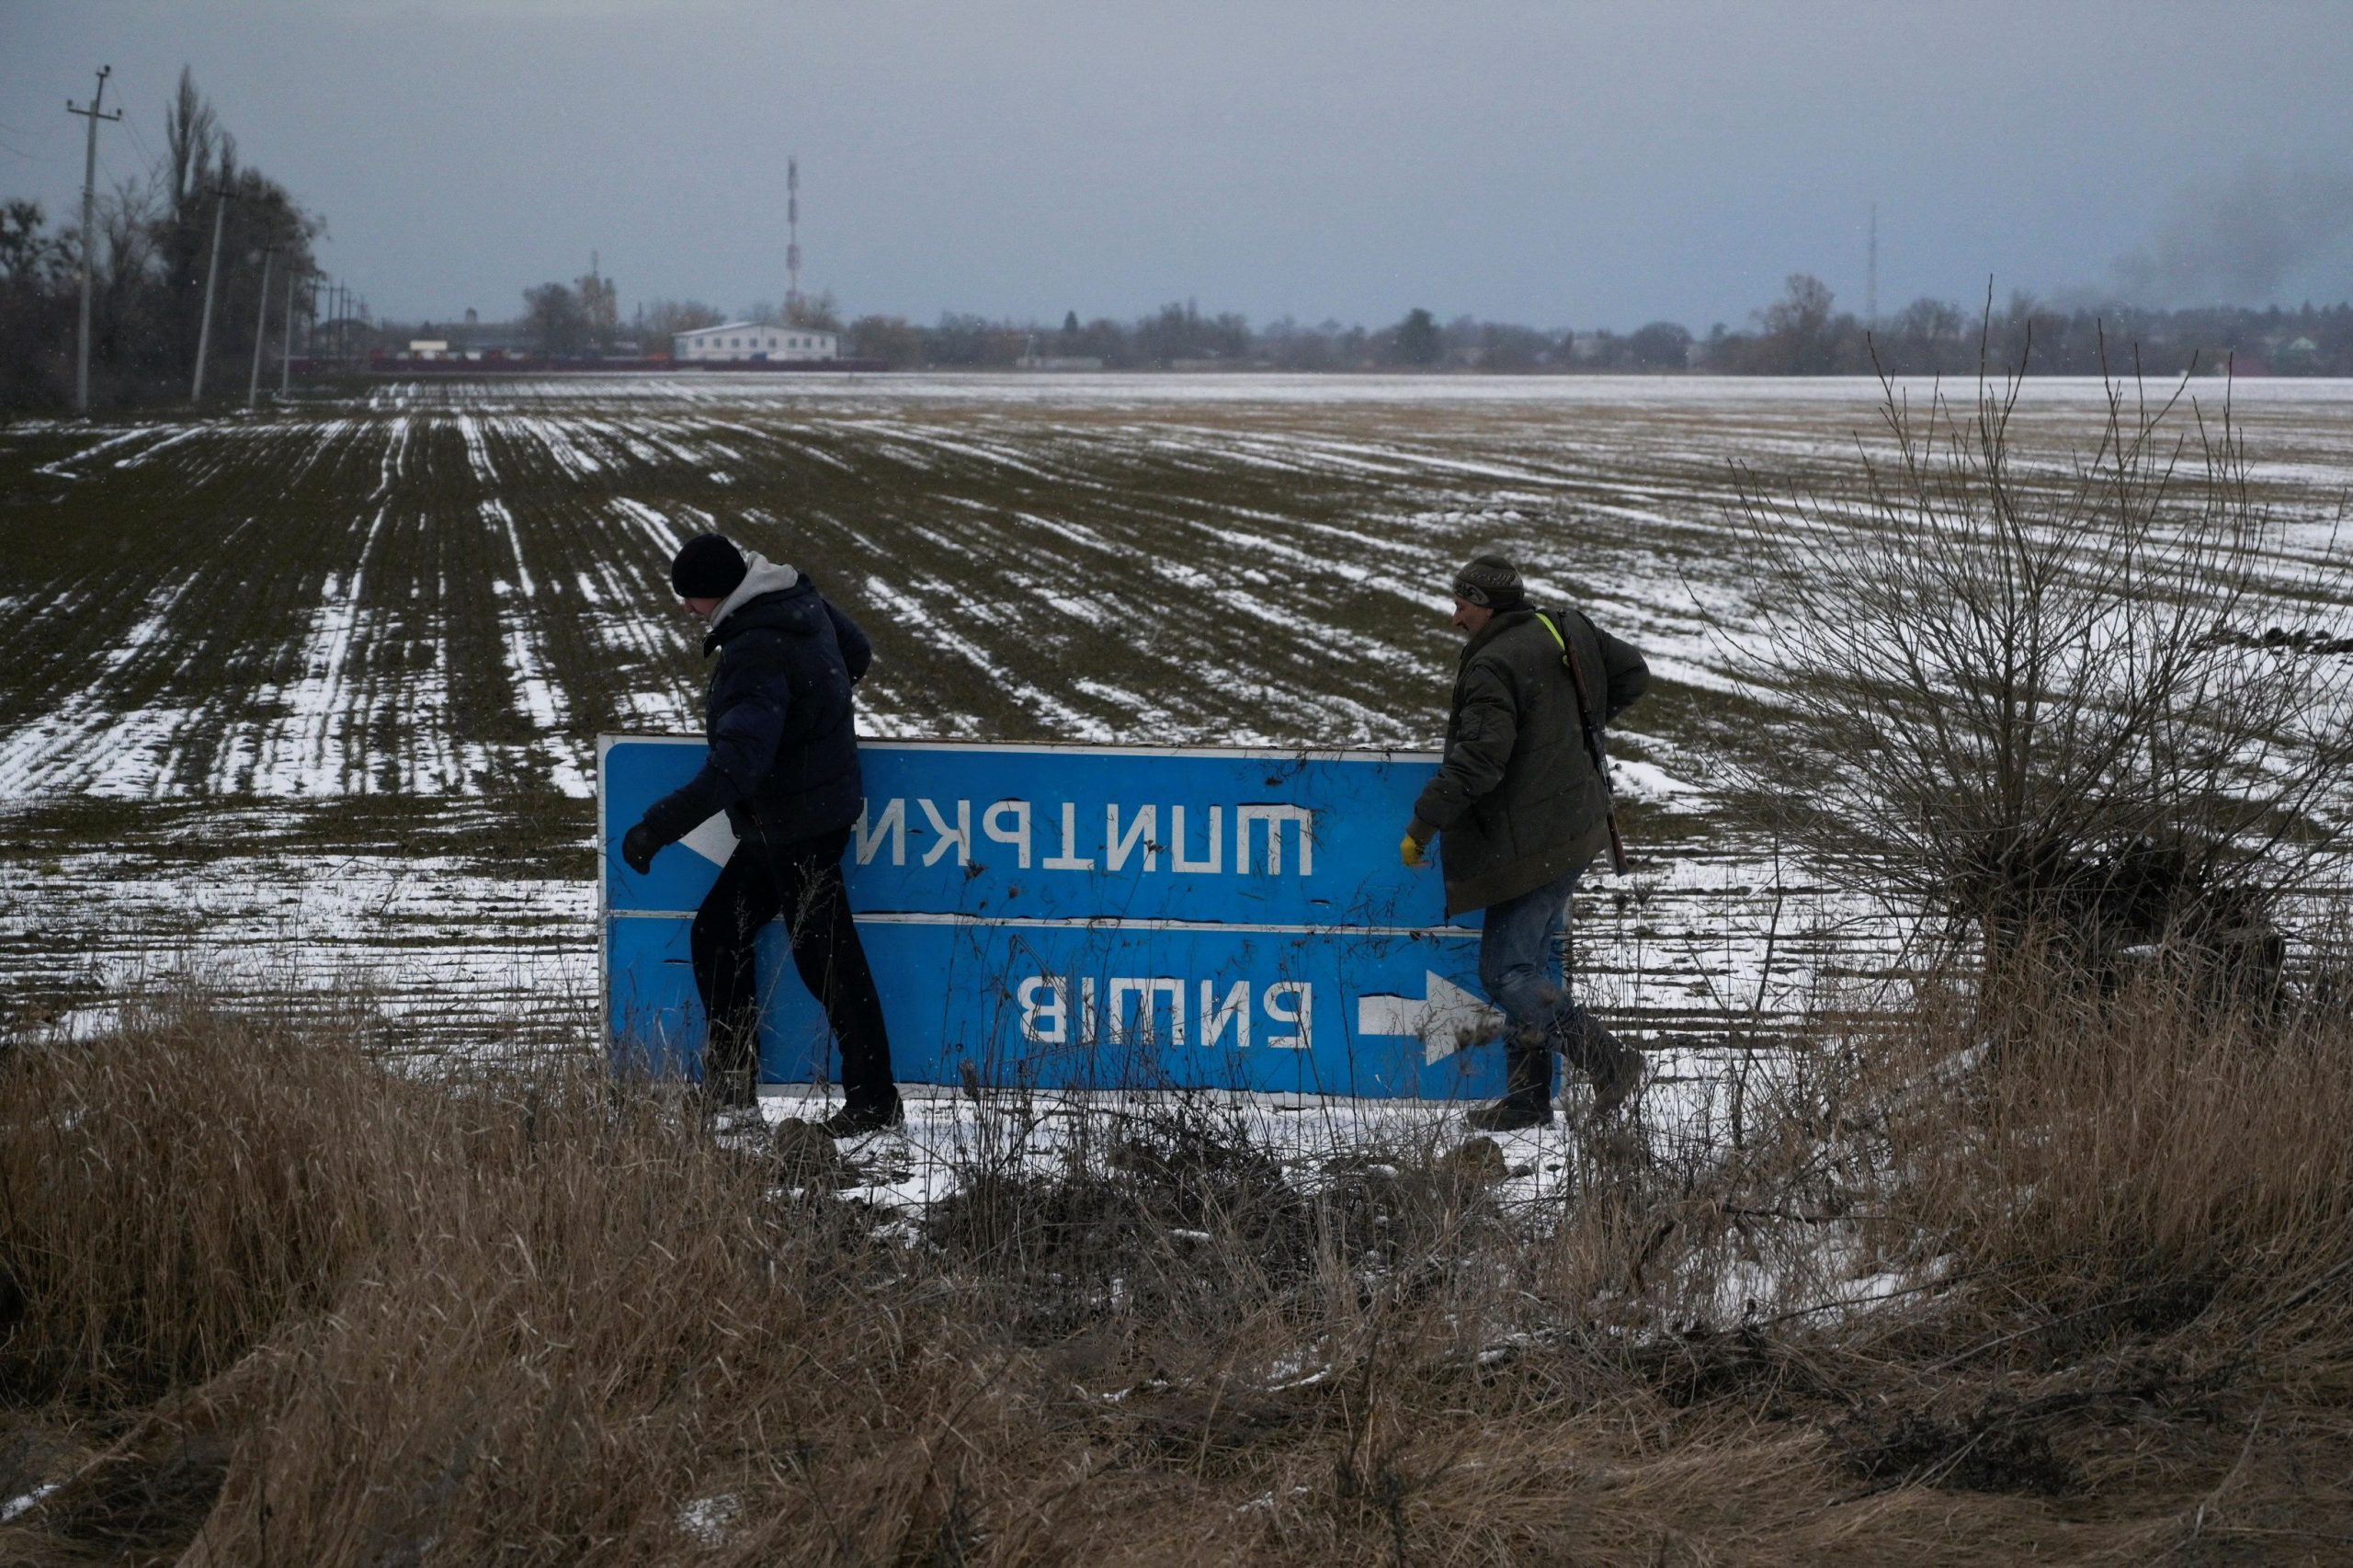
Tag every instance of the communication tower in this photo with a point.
(1871, 284)
(793, 239)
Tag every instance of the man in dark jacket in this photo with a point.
(1519, 810)
(783, 765)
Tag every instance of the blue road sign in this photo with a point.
(1089, 917)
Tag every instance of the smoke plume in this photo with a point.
(2241, 237)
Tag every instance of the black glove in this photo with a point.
(639, 847)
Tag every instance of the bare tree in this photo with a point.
(1799, 336)
(1416, 339)
(1926, 338)
(36, 271)
(819, 313)
(2086, 703)
(600, 308)
(890, 339)
(1661, 346)
(558, 324)
(661, 321)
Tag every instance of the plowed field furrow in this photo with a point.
(362, 648)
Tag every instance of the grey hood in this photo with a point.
(761, 576)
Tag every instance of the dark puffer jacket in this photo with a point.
(1516, 802)
(783, 761)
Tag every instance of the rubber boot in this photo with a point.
(1615, 1067)
(1528, 1091)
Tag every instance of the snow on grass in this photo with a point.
(1647, 782)
(557, 437)
(436, 943)
(303, 754)
(539, 699)
(63, 467)
(935, 630)
(663, 534)
(88, 742)
(477, 451)
(444, 582)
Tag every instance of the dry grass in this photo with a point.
(265, 1302)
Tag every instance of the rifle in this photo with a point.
(1591, 729)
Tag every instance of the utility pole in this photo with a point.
(261, 328)
(89, 232)
(204, 329)
(285, 341)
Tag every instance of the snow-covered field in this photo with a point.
(311, 695)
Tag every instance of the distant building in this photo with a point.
(745, 340)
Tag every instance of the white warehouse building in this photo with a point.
(744, 340)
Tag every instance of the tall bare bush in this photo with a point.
(2083, 699)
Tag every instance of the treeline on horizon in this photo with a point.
(1802, 333)
(153, 243)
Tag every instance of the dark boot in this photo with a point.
(859, 1118)
(1527, 1090)
(1510, 1114)
(1615, 1067)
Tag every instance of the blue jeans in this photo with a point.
(1520, 963)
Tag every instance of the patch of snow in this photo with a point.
(711, 1521)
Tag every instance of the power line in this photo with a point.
(145, 150)
(40, 141)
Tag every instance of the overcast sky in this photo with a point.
(1559, 165)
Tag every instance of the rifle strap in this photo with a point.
(1576, 674)
(1593, 744)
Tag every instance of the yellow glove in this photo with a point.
(1409, 849)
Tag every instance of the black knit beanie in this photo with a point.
(706, 567)
(1491, 581)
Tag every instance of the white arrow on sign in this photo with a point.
(1445, 1020)
(713, 840)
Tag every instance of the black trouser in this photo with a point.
(802, 882)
